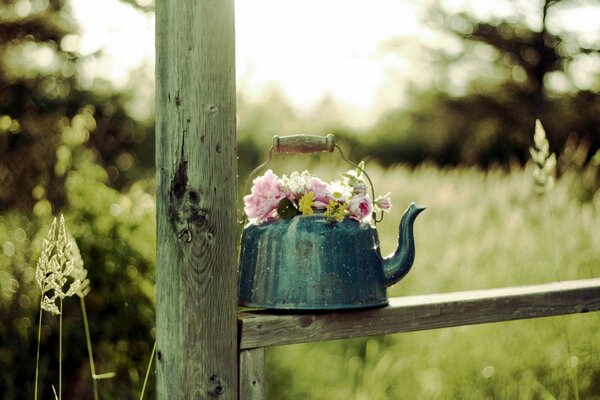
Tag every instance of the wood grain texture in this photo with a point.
(406, 314)
(196, 200)
(252, 374)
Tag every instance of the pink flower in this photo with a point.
(266, 195)
(319, 188)
(384, 202)
(360, 207)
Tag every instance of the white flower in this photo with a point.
(339, 191)
(354, 175)
(296, 184)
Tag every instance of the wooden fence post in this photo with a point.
(252, 374)
(196, 200)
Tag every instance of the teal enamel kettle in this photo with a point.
(308, 263)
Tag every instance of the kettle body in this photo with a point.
(306, 263)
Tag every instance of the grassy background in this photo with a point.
(481, 230)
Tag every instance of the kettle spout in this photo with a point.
(396, 265)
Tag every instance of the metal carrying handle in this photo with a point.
(303, 144)
(307, 144)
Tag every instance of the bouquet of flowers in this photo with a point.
(273, 198)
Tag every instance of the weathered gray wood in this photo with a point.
(252, 374)
(406, 314)
(196, 200)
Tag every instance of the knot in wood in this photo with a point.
(186, 215)
(305, 321)
(216, 386)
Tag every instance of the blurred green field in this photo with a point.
(481, 230)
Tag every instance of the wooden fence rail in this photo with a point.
(415, 313)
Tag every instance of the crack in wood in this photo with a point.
(179, 185)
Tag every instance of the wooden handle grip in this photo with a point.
(303, 144)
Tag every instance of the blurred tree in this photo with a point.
(66, 146)
(39, 92)
(493, 78)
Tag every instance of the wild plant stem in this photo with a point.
(60, 351)
(573, 374)
(89, 347)
(37, 358)
(148, 371)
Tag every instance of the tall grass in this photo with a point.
(481, 230)
(60, 263)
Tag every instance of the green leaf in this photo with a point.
(286, 209)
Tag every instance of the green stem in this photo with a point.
(37, 358)
(148, 371)
(60, 351)
(572, 374)
(89, 348)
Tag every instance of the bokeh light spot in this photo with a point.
(488, 372)
(42, 208)
(115, 210)
(8, 248)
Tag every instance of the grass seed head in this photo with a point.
(60, 272)
(544, 160)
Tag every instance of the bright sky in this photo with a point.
(310, 48)
(316, 47)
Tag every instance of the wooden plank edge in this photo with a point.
(414, 313)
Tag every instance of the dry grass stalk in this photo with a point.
(545, 161)
(58, 265)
